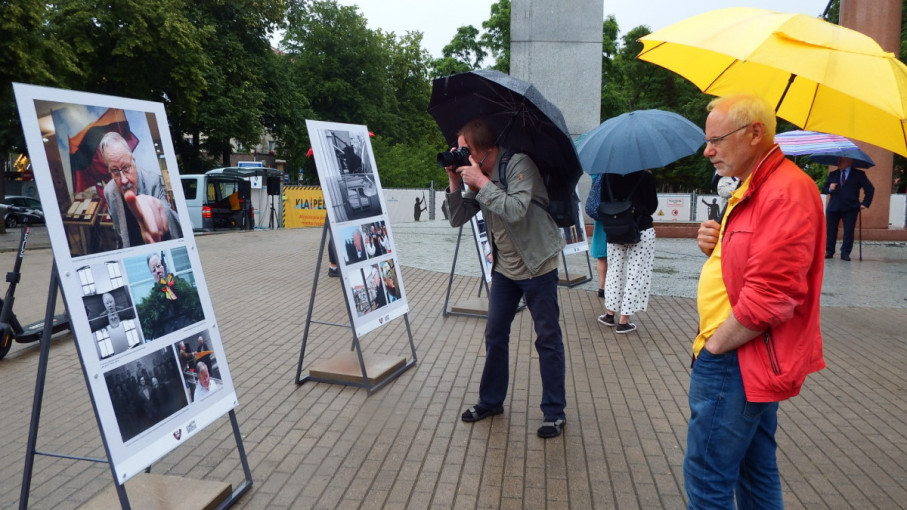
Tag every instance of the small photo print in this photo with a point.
(109, 308)
(145, 392)
(163, 284)
(198, 364)
(366, 241)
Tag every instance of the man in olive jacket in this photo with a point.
(526, 244)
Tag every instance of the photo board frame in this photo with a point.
(129, 270)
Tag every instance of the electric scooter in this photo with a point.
(10, 328)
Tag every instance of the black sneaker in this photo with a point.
(626, 328)
(607, 319)
(334, 272)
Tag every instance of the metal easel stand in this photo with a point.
(451, 310)
(569, 282)
(31, 449)
(371, 387)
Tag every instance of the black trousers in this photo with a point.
(832, 218)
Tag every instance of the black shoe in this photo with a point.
(845, 258)
(626, 328)
(607, 319)
(551, 429)
(334, 272)
(829, 255)
(477, 412)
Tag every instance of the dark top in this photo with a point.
(846, 197)
(645, 198)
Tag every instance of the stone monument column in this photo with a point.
(557, 46)
(881, 20)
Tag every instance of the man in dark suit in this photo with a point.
(843, 190)
(356, 251)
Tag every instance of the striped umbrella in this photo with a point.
(822, 148)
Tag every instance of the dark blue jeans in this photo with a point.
(541, 299)
(730, 442)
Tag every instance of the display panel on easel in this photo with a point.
(360, 228)
(129, 269)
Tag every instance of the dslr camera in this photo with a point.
(457, 158)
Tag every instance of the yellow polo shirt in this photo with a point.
(712, 299)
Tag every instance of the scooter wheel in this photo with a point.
(6, 341)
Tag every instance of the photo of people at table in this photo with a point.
(198, 365)
(111, 180)
(109, 308)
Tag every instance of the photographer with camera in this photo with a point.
(525, 244)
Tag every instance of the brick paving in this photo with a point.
(842, 442)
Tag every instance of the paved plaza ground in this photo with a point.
(842, 442)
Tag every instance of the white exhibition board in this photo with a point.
(136, 300)
(360, 228)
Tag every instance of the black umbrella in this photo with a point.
(524, 120)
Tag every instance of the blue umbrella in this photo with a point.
(823, 148)
(638, 140)
(860, 158)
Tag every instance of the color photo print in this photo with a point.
(109, 175)
(130, 274)
(360, 229)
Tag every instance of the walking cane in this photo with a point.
(860, 219)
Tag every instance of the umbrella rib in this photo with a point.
(809, 112)
(717, 78)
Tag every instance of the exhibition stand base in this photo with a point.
(477, 307)
(149, 491)
(345, 368)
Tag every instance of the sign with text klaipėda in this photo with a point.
(360, 229)
(131, 276)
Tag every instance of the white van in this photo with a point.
(218, 201)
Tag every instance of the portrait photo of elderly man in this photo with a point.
(136, 198)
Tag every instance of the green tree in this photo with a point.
(496, 38)
(466, 47)
(232, 105)
(352, 74)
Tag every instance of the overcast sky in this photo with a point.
(438, 20)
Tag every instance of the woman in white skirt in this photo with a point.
(630, 266)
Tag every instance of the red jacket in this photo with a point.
(772, 261)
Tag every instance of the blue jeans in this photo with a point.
(730, 442)
(541, 299)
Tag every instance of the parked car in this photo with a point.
(217, 201)
(12, 220)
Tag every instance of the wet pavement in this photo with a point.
(841, 442)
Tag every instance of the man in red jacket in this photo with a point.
(758, 303)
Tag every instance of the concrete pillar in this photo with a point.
(881, 20)
(557, 46)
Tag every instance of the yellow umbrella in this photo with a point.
(821, 76)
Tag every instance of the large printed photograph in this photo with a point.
(110, 178)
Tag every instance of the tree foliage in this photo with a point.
(211, 64)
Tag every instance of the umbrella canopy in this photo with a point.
(822, 148)
(860, 158)
(638, 140)
(820, 76)
(524, 120)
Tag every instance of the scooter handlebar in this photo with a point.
(34, 213)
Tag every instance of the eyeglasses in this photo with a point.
(116, 172)
(715, 140)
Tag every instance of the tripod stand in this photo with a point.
(272, 216)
